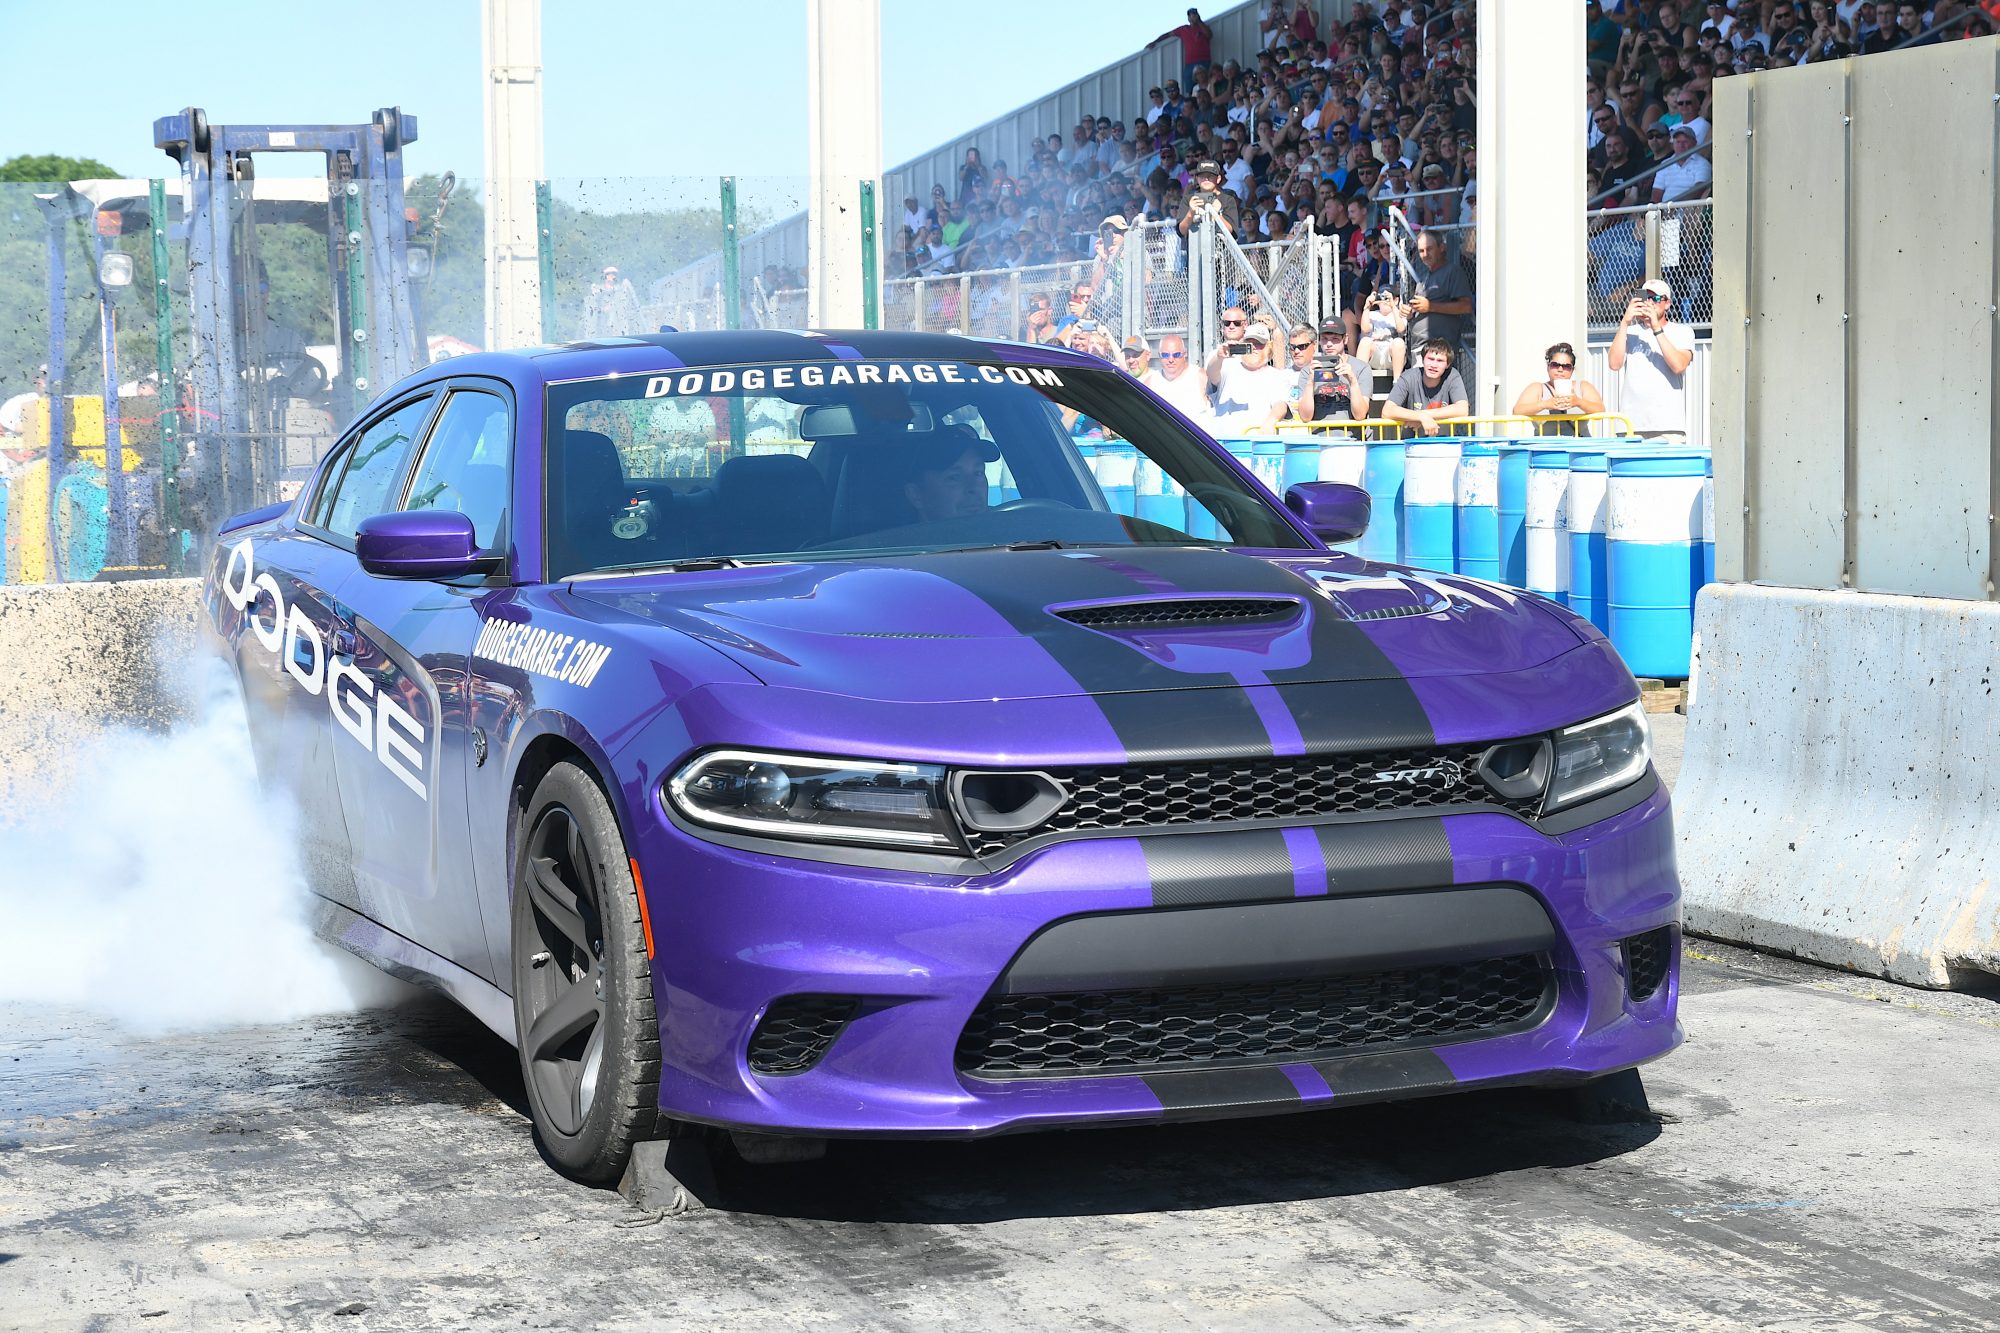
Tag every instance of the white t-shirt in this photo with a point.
(1187, 393)
(1650, 394)
(1244, 399)
(14, 413)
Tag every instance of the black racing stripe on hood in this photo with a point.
(1166, 723)
(1372, 707)
(1379, 856)
(1373, 1077)
(1197, 1093)
(1242, 865)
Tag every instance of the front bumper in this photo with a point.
(738, 930)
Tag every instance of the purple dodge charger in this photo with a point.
(874, 734)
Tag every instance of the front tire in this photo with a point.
(584, 1018)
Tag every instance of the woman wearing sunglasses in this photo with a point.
(1560, 393)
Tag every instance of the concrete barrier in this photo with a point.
(76, 658)
(1839, 799)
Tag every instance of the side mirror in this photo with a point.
(420, 544)
(1332, 510)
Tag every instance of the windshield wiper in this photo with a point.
(1045, 544)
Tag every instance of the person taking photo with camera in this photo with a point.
(1340, 384)
(1209, 199)
(1651, 354)
(1252, 395)
(1383, 321)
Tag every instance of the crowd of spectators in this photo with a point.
(1330, 123)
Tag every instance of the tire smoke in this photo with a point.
(163, 889)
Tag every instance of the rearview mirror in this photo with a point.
(420, 544)
(1332, 511)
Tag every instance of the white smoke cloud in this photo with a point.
(162, 887)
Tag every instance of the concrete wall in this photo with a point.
(82, 657)
(1857, 440)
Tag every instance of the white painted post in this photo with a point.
(510, 39)
(1531, 270)
(844, 127)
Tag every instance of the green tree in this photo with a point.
(50, 168)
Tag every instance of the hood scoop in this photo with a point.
(1385, 599)
(1181, 613)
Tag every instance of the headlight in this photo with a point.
(1599, 756)
(825, 800)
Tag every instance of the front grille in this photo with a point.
(798, 1030)
(1133, 1031)
(1141, 795)
(1647, 958)
(1158, 615)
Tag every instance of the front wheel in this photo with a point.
(584, 1018)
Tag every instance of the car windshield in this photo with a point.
(843, 459)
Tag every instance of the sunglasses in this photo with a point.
(1301, 347)
(1562, 365)
(1233, 323)
(1173, 356)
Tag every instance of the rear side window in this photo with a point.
(464, 466)
(374, 465)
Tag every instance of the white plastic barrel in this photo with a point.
(1477, 497)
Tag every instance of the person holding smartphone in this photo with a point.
(1561, 394)
(1651, 354)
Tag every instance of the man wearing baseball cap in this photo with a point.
(1651, 354)
(1688, 178)
(1340, 384)
(1208, 197)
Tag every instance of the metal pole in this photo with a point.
(58, 387)
(1014, 302)
(1652, 243)
(118, 503)
(732, 284)
(357, 299)
(170, 399)
(545, 257)
(871, 279)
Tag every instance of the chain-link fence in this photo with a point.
(1672, 242)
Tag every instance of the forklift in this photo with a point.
(242, 422)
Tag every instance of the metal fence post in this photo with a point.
(1131, 257)
(170, 398)
(1014, 304)
(1652, 244)
(357, 300)
(545, 257)
(732, 285)
(917, 307)
(965, 303)
(871, 281)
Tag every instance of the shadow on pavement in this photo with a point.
(1144, 1169)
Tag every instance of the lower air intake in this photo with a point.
(798, 1030)
(1647, 960)
(1136, 1031)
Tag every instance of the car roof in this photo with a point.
(728, 347)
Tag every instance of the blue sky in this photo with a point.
(666, 88)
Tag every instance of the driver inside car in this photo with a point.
(948, 475)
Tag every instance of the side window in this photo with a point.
(464, 466)
(367, 487)
(323, 502)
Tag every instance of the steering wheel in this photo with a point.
(1031, 502)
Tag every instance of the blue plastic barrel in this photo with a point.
(1653, 523)
(1513, 513)
(1301, 460)
(1382, 475)
(1117, 466)
(1547, 524)
(1267, 460)
(1157, 497)
(1430, 493)
(1588, 476)
(1476, 494)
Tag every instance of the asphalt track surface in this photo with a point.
(1822, 1158)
